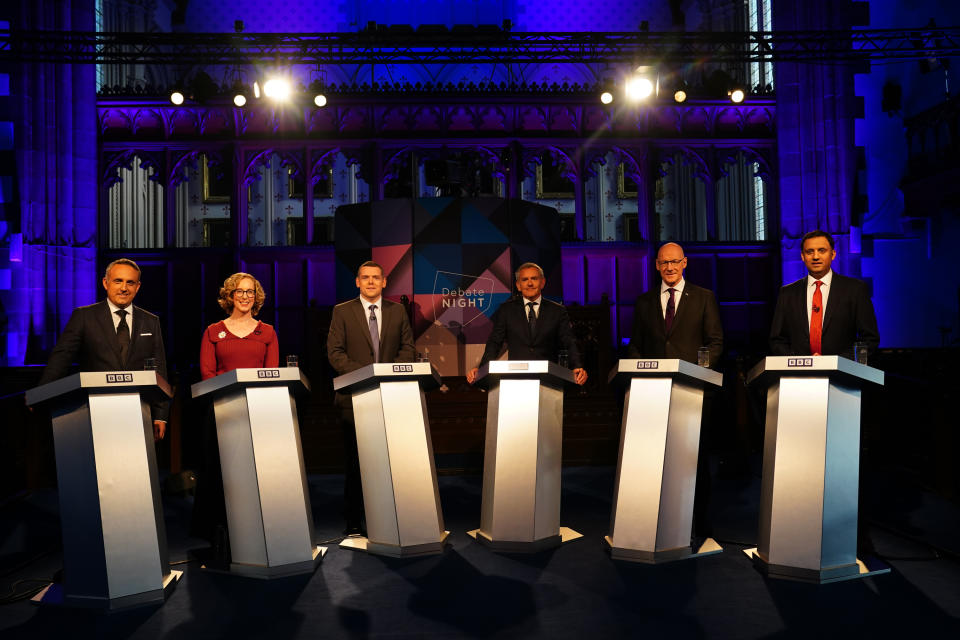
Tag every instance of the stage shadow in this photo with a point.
(885, 606)
(456, 593)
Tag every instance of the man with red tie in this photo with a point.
(823, 313)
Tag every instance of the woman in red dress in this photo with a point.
(239, 341)
(236, 342)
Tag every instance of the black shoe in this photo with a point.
(221, 547)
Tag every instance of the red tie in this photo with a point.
(816, 320)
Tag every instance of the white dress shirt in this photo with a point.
(665, 295)
(824, 293)
(536, 306)
(116, 319)
(377, 312)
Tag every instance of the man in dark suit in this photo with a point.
(677, 318)
(823, 313)
(533, 327)
(364, 330)
(113, 335)
(673, 321)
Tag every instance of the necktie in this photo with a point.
(123, 335)
(816, 319)
(532, 317)
(671, 310)
(374, 333)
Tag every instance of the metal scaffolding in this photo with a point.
(404, 45)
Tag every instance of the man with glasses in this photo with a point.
(113, 335)
(677, 318)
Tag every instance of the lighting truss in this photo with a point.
(450, 47)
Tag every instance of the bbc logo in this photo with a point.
(268, 373)
(403, 368)
(119, 377)
(647, 364)
(799, 362)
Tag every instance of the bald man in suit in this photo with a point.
(350, 346)
(694, 316)
(674, 320)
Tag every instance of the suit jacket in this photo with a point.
(848, 318)
(553, 333)
(349, 346)
(696, 324)
(90, 340)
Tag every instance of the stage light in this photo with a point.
(639, 88)
(176, 97)
(642, 84)
(239, 93)
(680, 95)
(606, 97)
(277, 89)
(736, 95)
(320, 100)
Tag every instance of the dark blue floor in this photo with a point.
(575, 591)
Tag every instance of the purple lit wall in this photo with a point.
(50, 209)
(906, 252)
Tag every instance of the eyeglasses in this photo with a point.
(670, 263)
(244, 293)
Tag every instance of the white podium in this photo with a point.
(397, 471)
(656, 478)
(264, 481)
(114, 539)
(811, 464)
(520, 510)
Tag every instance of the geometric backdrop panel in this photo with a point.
(453, 257)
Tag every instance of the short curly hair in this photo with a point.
(230, 285)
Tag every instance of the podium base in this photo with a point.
(359, 543)
(266, 572)
(859, 569)
(566, 534)
(708, 547)
(53, 595)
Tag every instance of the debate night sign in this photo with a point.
(463, 298)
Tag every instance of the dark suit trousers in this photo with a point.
(352, 486)
(702, 521)
(209, 505)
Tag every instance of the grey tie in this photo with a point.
(123, 335)
(374, 333)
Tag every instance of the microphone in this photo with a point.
(816, 309)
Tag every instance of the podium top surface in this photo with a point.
(388, 372)
(100, 382)
(544, 370)
(822, 366)
(627, 368)
(291, 377)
